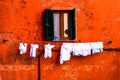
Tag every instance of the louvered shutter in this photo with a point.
(49, 27)
(73, 25)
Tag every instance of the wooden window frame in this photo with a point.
(71, 23)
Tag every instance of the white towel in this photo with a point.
(48, 51)
(77, 49)
(81, 49)
(33, 50)
(23, 48)
(97, 47)
(66, 49)
(86, 49)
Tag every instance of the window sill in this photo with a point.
(64, 40)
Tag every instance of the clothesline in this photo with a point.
(59, 43)
(52, 42)
(111, 49)
(105, 49)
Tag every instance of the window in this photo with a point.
(60, 25)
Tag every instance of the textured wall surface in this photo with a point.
(22, 21)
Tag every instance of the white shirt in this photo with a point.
(23, 48)
(66, 49)
(48, 51)
(33, 50)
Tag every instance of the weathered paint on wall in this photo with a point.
(22, 21)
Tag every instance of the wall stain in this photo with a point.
(23, 3)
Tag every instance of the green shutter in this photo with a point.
(49, 27)
(73, 25)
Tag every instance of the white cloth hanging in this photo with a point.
(33, 50)
(48, 51)
(97, 47)
(77, 49)
(66, 49)
(81, 49)
(23, 48)
(86, 49)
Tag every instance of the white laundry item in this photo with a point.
(33, 50)
(23, 48)
(81, 49)
(77, 49)
(66, 49)
(97, 47)
(86, 49)
(48, 51)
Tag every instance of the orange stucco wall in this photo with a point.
(22, 21)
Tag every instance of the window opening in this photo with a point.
(60, 25)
